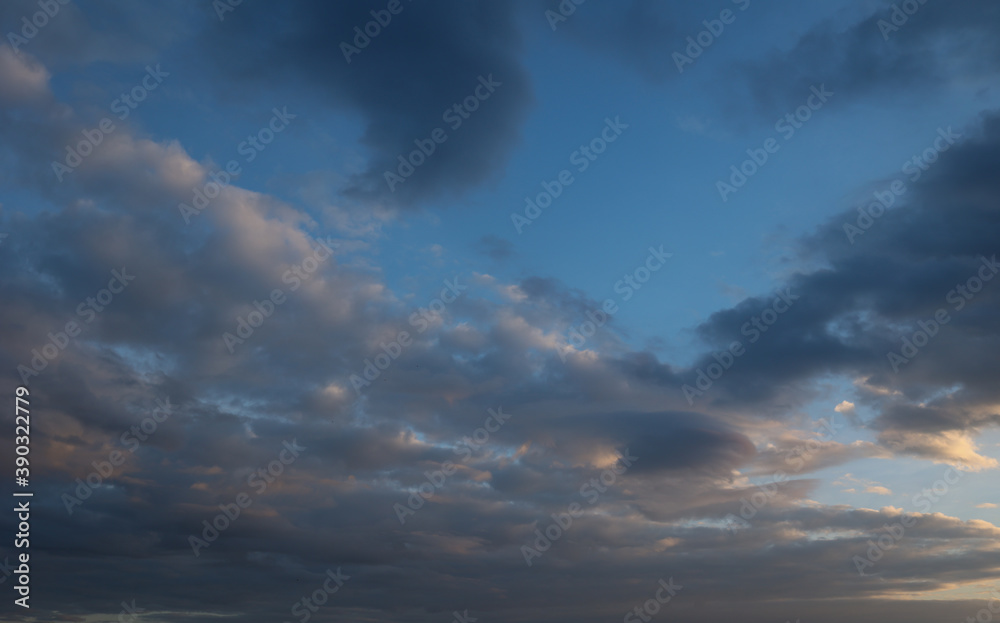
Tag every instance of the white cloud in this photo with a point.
(22, 78)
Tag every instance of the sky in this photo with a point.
(407, 311)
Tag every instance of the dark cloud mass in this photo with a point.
(430, 56)
(902, 269)
(891, 52)
(495, 247)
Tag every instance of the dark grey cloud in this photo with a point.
(859, 52)
(112, 31)
(495, 247)
(874, 291)
(938, 44)
(430, 56)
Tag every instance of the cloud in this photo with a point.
(844, 407)
(939, 45)
(494, 247)
(22, 78)
(430, 56)
(799, 453)
(105, 31)
(848, 51)
(869, 295)
(869, 486)
(950, 446)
